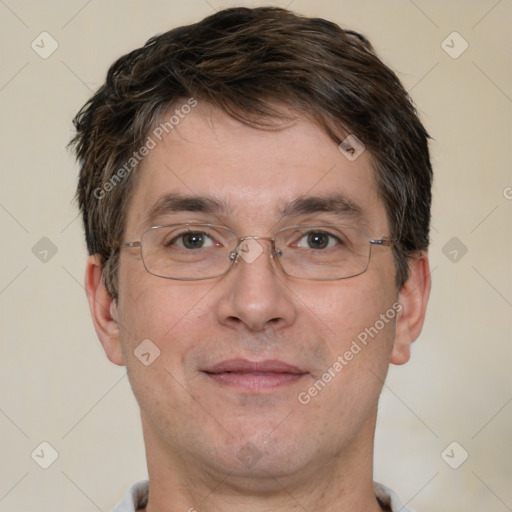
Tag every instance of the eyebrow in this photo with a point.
(177, 203)
(338, 204)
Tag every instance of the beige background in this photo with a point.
(56, 385)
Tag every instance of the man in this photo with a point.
(255, 190)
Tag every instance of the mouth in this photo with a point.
(256, 376)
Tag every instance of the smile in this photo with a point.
(255, 376)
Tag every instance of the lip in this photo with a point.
(255, 376)
(246, 366)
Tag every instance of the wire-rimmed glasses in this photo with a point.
(194, 251)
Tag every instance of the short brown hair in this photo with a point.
(251, 62)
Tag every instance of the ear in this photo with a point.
(103, 310)
(413, 298)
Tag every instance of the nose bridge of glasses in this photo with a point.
(249, 248)
(244, 238)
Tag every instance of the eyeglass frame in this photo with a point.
(234, 255)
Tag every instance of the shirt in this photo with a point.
(137, 497)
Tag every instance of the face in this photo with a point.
(233, 387)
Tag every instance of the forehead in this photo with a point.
(211, 164)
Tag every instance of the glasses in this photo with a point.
(194, 251)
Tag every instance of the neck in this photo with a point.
(341, 481)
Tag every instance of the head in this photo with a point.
(259, 66)
(249, 107)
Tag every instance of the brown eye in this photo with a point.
(191, 240)
(317, 240)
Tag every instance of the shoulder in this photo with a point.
(388, 498)
(135, 498)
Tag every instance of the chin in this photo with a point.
(262, 451)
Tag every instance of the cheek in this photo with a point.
(165, 318)
(345, 309)
(172, 314)
(359, 335)
(153, 306)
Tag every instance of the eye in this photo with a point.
(318, 240)
(192, 240)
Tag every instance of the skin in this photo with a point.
(311, 457)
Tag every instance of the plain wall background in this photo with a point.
(56, 384)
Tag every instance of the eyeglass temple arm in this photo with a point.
(130, 244)
(383, 241)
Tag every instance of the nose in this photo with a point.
(254, 294)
